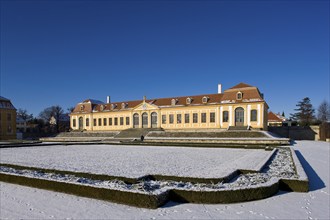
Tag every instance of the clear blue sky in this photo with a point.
(62, 52)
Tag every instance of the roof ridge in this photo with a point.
(241, 85)
(148, 100)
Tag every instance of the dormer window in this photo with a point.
(205, 99)
(102, 107)
(82, 108)
(239, 96)
(113, 106)
(188, 101)
(173, 101)
(123, 105)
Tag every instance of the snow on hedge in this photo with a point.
(281, 166)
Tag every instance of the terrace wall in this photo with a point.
(296, 133)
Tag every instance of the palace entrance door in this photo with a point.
(136, 120)
(145, 120)
(154, 120)
(239, 116)
(81, 124)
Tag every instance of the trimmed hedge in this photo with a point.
(104, 177)
(150, 200)
(222, 134)
(130, 198)
(225, 196)
(78, 174)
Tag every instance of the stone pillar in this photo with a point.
(248, 115)
(230, 115)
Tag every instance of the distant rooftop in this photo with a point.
(5, 103)
(3, 99)
(241, 85)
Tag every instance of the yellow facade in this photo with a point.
(215, 114)
(7, 120)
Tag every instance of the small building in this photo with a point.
(7, 119)
(275, 120)
(239, 106)
(21, 125)
(63, 122)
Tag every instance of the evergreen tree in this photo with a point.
(304, 113)
(283, 114)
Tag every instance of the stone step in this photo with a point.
(136, 132)
(87, 134)
(238, 128)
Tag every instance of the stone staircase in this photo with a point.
(87, 134)
(75, 136)
(135, 133)
(238, 128)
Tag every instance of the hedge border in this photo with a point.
(124, 197)
(160, 177)
(150, 200)
(302, 183)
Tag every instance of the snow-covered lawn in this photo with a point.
(24, 202)
(137, 161)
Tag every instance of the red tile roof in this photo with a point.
(250, 93)
(241, 85)
(273, 117)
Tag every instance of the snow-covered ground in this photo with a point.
(280, 166)
(137, 161)
(25, 202)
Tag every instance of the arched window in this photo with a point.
(102, 107)
(205, 99)
(82, 108)
(123, 105)
(239, 95)
(154, 120)
(136, 120)
(144, 120)
(188, 101)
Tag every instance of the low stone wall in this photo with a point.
(294, 132)
(230, 141)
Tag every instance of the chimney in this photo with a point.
(219, 88)
(108, 99)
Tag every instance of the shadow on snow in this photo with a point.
(315, 182)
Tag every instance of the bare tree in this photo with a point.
(53, 111)
(23, 114)
(323, 112)
(70, 109)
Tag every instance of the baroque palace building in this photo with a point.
(7, 119)
(241, 105)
